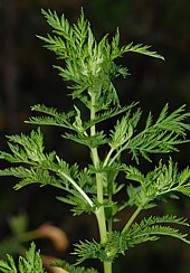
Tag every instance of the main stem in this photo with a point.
(100, 213)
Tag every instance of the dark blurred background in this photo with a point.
(27, 78)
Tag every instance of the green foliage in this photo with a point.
(43, 168)
(162, 136)
(149, 229)
(164, 180)
(88, 64)
(90, 68)
(53, 117)
(30, 264)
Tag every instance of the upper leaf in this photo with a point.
(89, 64)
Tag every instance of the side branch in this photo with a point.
(76, 186)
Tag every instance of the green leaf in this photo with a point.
(40, 167)
(89, 65)
(30, 264)
(68, 120)
(90, 250)
(122, 132)
(142, 49)
(149, 229)
(163, 136)
(8, 266)
(158, 230)
(134, 174)
(91, 141)
(105, 115)
(165, 219)
(78, 205)
(163, 180)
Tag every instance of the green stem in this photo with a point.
(108, 157)
(70, 179)
(130, 221)
(116, 155)
(78, 188)
(128, 224)
(100, 212)
(108, 267)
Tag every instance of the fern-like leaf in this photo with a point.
(40, 167)
(163, 180)
(88, 64)
(163, 136)
(91, 141)
(148, 230)
(30, 264)
(142, 49)
(90, 250)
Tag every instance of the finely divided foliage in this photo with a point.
(90, 68)
(30, 264)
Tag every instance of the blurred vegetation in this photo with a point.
(27, 78)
